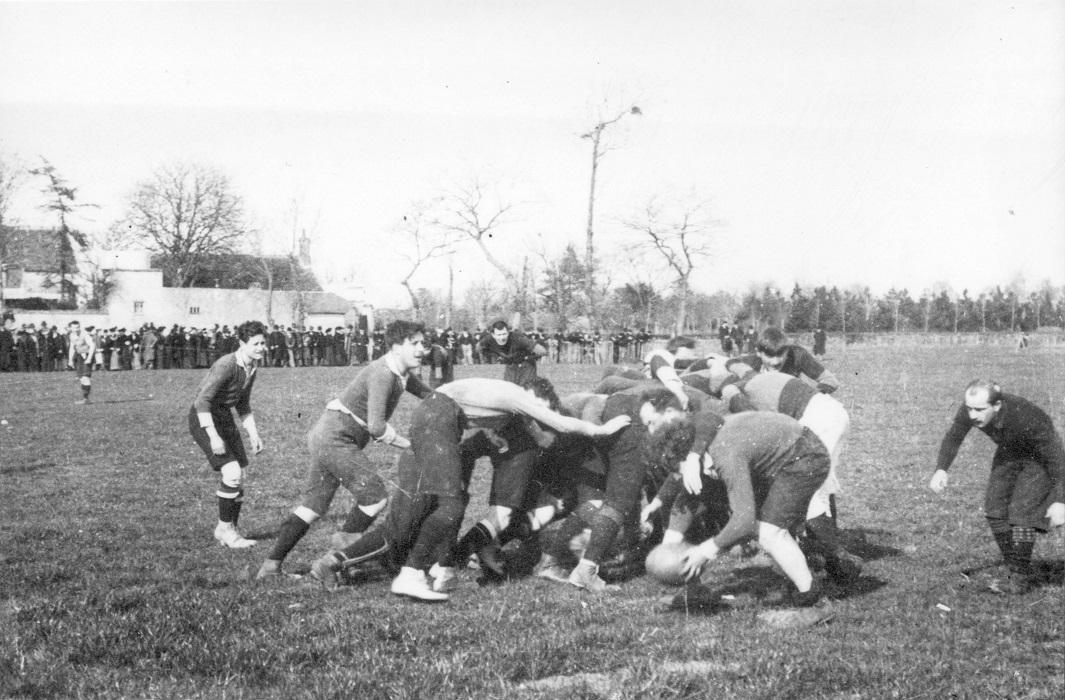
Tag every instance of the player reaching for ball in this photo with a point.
(770, 467)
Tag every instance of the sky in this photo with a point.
(844, 142)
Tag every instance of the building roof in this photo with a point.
(34, 250)
(326, 303)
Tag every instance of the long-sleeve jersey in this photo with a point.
(227, 385)
(1021, 430)
(375, 391)
(517, 350)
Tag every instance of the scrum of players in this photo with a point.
(694, 456)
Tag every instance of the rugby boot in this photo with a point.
(228, 536)
(445, 578)
(413, 583)
(586, 575)
(549, 568)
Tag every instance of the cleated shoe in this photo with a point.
(586, 575)
(227, 536)
(413, 583)
(549, 568)
(445, 578)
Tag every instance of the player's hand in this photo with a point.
(693, 561)
(691, 474)
(218, 446)
(614, 424)
(646, 513)
(1056, 514)
(825, 388)
(728, 391)
(256, 443)
(939, 481)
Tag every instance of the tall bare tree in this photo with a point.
(681, 233)
(184, 212)
(598, 151)
(60, 199)
(421, 241)
(468, 212)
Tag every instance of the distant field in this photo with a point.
(112, 586)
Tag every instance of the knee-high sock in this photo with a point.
(784, 550)
(292, 531)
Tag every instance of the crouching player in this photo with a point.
(227, 386)
(431, 497)
(624, 461)
(1026, 491)
(360, 413)
(770, 466)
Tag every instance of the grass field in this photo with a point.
(112, 586)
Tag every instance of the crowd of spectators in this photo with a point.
(45, 348)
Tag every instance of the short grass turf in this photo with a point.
(112, 586)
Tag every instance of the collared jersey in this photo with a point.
(1021, 430)
(375, 391)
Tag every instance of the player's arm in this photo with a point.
(218, 377)
(513, 399)
(1051, 453)
(247, 418)
(807, 364)
(378, 391)
(661, 366)
(948, 448)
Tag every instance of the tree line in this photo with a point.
(195, 224)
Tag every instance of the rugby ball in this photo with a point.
(664, 563)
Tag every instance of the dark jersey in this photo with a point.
(1022, 431)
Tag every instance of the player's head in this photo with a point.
(669, 444)
(544, 390)
(659, 407)
(500, 332)
(682, 348)
(74, 326)
(406, 341)
(771, 347)
(252, 338)
(983, 401)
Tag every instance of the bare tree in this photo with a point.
(421, 242)
(60, 200)
(598, 151)
(11, 177)
(185, 212)
(468, 214)
(681, 234)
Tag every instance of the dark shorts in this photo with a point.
(336, 445)
(227, 430)
(786, 497)
(1019, 490)
(512, 469)
(570, 470)
(435, 463)
(82, 367)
